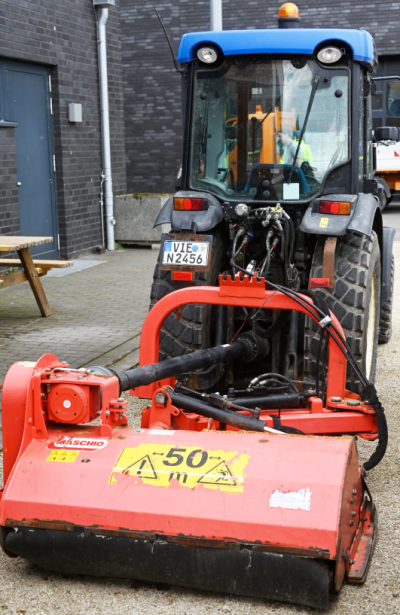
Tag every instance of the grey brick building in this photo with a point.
(50, 168)
(152, 88)
(48, 59)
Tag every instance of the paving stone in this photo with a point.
(97, 313)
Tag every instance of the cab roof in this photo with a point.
(290, 41)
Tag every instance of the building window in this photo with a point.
(377, 100)
(393, 99)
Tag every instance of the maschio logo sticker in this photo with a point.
(191, 466)
(78, 444)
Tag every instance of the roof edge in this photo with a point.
(299, 41)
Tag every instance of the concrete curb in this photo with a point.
(135, 215)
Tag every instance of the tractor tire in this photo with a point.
(191, 329)
(385, 320)
(355, 301)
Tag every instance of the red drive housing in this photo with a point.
(71, 403)
(35, 395)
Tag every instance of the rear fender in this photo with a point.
(164, 217)
(367, 217)
(194, 221)
(364, 216)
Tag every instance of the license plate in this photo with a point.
(194, 253)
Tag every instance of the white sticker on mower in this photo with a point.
(161, 432)
(292, 499)
(78, 444)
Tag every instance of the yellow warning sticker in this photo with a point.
(27, 363)
(66, 456)
(190, 466)
(324, 222)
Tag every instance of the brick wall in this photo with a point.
(152, 94)
(9, 210)
(63, 35)
(152, 89)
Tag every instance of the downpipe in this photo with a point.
(216, 15)
(105, 128)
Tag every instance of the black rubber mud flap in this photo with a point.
(242, 572)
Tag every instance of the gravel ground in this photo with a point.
(27, 589)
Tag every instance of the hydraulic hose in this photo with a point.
(201, 359)
(292, 238)
(283, 400)
(368, 392)
(228, 417)
(235, 251)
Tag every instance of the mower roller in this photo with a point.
(259, 501)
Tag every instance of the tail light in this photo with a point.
(334, 207)
(188, 204)
(182, 276)
(319, 282)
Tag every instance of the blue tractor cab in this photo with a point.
(250, 93)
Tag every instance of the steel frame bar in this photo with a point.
(232, 293)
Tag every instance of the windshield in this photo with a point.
(248, 119)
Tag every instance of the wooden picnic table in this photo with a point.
(32, 269)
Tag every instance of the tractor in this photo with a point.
(278, 182)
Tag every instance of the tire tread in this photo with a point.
(347, 300)
(385, 321)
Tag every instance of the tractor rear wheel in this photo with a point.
(355, 301)
(191, 328)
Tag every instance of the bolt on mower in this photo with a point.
(270, 295)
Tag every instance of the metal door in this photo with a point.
(26, 100)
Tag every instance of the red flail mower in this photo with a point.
(258, 492)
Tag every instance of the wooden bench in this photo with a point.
(32, 269)
(42, 267)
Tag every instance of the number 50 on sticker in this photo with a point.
(159, 464)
